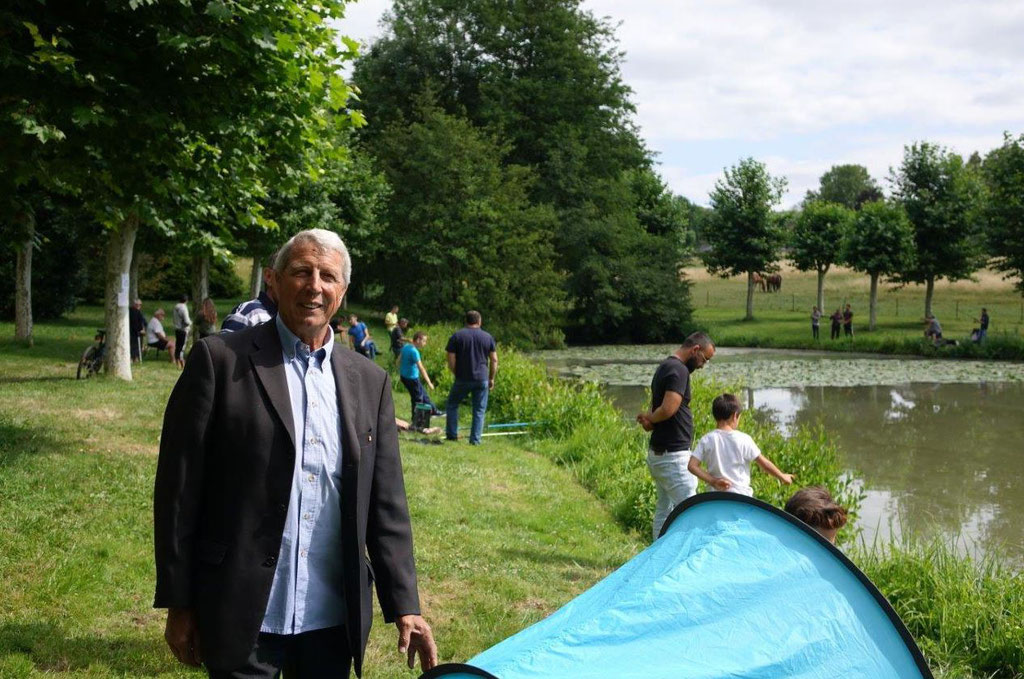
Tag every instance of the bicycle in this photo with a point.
(92, 358)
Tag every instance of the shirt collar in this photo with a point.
(292, 345)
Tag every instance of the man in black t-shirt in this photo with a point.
(670, 422)
(398, 336)
(136, 329)
(473, 358)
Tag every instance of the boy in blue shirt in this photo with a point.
(410, 366)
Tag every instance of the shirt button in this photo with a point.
(302, 553)
(307, 516)
(311, 478)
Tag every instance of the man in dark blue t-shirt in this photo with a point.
(473, 358)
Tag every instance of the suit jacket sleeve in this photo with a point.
(389, 531)
(179, 479)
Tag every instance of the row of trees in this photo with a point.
(945, 218)
(500, 170)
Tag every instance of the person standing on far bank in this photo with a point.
(670, 422)
(473, 359)
(815, 321)
(848, 322)
(279, 499)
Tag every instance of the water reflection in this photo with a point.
(946, 458)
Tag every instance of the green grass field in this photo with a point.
(77, 460)
(504, 535)
(782, 319)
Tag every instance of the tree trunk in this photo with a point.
(750, 296)
(23, 285)
(133, 277)
(821, 290)
(256, 277)
(200, 289)
(873, 305)
(120, 245)
(929, 292)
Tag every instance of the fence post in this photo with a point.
(708, 303)
(958, 309)
(897, 307)
(794, 303)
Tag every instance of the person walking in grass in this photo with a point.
(848, 322)
(670, 422)
(837, 319)
(391, 319)
(473, 359)
(397, 336)
(728, 452)
(410, 370)
(815, 322)
(182, 323)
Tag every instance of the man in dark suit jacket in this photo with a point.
(249, 445)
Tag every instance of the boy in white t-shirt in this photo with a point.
(727, 452)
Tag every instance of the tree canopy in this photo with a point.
(544, 79)
(940, 196)
(1003, 213)
(848, 185)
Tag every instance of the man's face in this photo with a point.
(700, 358)
(309, 290)
(421, 342)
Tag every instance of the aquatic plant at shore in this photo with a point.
(967, 615)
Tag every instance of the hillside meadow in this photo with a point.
(782, 319)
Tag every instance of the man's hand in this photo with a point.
(786, 479)
(644, 420)
(415, 637)
(721, 484)
(490, 384)
(182, 635)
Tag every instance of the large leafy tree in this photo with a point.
(879, 242)
(940, 196)
(816, 239)
(848, 185)
(464, 235)
(169, 115)
(744, 234)
(543, 77)
(1003, 169)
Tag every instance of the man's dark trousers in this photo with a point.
(418, 394)
(320, 654)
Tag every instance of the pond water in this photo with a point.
(937, 445)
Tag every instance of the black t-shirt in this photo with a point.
(675, 433)
(396, 338)
(471, 347)
(984, 321)
(847, 317)
(136, 321)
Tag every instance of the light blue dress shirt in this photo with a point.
(307, 592)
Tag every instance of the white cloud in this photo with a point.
(805, 84)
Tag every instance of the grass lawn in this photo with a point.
(783, 318)
(503, 536)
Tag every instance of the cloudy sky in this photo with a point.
(805, 84)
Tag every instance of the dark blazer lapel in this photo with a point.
(268, 362)
(349, 387)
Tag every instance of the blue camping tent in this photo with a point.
(733, 588)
